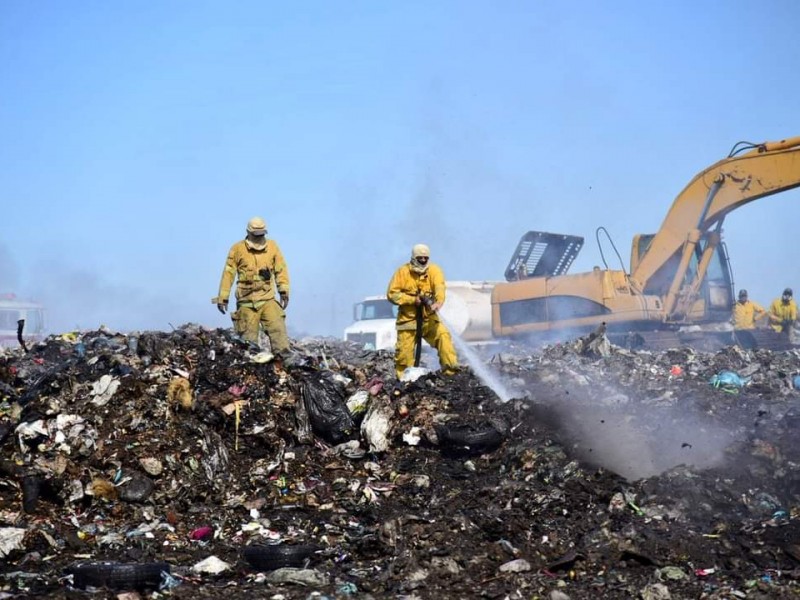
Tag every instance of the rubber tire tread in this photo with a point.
(118, 576)
(475, 437)
(269, 558)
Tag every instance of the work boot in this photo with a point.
(289, 359)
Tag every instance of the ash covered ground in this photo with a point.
(626, 475)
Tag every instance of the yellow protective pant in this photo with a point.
(436, 335)
(270, 316)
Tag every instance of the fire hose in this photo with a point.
(418, 337)
(425, 301)
(20, 327)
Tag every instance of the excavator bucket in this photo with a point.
(543, 254)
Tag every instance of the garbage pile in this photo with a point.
(192, 464)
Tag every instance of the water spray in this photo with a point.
(481, 370)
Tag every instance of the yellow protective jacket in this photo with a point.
(780, 312)
(406, 285)
(244, 264)
(746, 314)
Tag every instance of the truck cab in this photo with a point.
(373, 324)
(467, 312)
(12, 311)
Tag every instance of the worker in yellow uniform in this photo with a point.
(746, 313)
(783, 312)
(258, 266)
(418, 289)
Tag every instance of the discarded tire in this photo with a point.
(118, 576)
(471, 439)
(269, 558)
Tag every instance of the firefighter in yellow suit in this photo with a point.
(783, 312)
(746, 313)
(419, 285)
(258, 266)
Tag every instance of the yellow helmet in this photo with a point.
(257, 226)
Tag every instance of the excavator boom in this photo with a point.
(770, 168)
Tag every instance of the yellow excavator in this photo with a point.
(678, 276)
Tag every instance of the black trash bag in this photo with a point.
(326, 406)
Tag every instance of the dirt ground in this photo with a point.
(626, 475)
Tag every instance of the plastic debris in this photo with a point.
(411, 374)
(211, 565)
(377, 425)
(357, 403)
(104, 389)
(519, 565)
(306, 577)
(10, 539)
(202, 533)
(413, 436)
(728, 379)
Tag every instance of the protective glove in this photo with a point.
(284, 299)
(436, 306)
(222, 307)
(427, 300)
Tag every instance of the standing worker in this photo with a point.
(418, 289)
(258, 265)
(783, 312)
(746, 313)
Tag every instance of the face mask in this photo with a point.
(256, 242)
(419, 267)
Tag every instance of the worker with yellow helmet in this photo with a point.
(746, 313)
(258, 266)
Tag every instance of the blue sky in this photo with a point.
(139, 138)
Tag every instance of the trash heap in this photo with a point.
(191, 464)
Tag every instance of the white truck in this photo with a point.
(467, 310)
(12, 311)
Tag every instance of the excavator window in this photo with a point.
(377, 309)
(8, 319)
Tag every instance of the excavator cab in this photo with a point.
(713, 297)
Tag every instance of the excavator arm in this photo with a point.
(768, 168)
